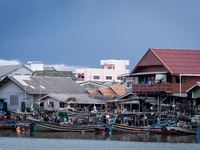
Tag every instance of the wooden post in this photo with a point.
(133, 121)
(144, 120)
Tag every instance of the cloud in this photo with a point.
(9, 62)
(58, 67)
(63, 67)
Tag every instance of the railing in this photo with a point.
(156, 87)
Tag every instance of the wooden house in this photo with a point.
(165, 70)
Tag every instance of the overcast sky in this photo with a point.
(79, 33)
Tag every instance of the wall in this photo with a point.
(48, 100)
(152, 69)
(196, 92)
(36, 66)
(128, 79)
(89, 73)
(23, 71)
(185, 86)
(118, 64)
(12, 89)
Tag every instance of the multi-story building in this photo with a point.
(110, 72)
(165, 70)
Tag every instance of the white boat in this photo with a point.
(181, 130)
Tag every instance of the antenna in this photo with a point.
(112, 53)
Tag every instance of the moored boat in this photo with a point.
(121, 128)
(40, 125)
(181, 130)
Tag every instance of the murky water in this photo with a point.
(114, 137)
(74, 140)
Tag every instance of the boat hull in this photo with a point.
(181, 130)
(121, 128)
(41, 126)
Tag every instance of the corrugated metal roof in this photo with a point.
(46, 85)
(5, 70)
(54, 73)
(80, 98)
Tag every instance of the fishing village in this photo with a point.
(161, 95)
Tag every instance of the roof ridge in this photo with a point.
(175, 48)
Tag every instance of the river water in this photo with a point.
(74, 140)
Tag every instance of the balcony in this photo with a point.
(156, 87)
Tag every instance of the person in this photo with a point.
(160, 81)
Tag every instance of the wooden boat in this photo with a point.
(40, 125)
(120, 128)
(181, 130)
(161, 128)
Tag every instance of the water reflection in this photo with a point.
(108, 137)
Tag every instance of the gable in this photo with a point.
(23, 71)
(149, 60)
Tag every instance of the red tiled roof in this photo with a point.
(119, 89)
(93, 92)
(176, 61)
(107, 91)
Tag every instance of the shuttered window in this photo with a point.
(14, 99)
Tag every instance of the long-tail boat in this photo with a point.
(40, 126)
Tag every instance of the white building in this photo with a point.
(14, 70)
(110, 72)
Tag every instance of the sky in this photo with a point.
(71, 34)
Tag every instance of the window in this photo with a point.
(176, 79)
(184, 79)
(14, 99)
(119, 78)
(17, 74)
(108, 77)
(96, 77)
(129, 84)
(62, 105)
(109, 67)
(27, 74)
(52, 104)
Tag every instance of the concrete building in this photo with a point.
(110, 72)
